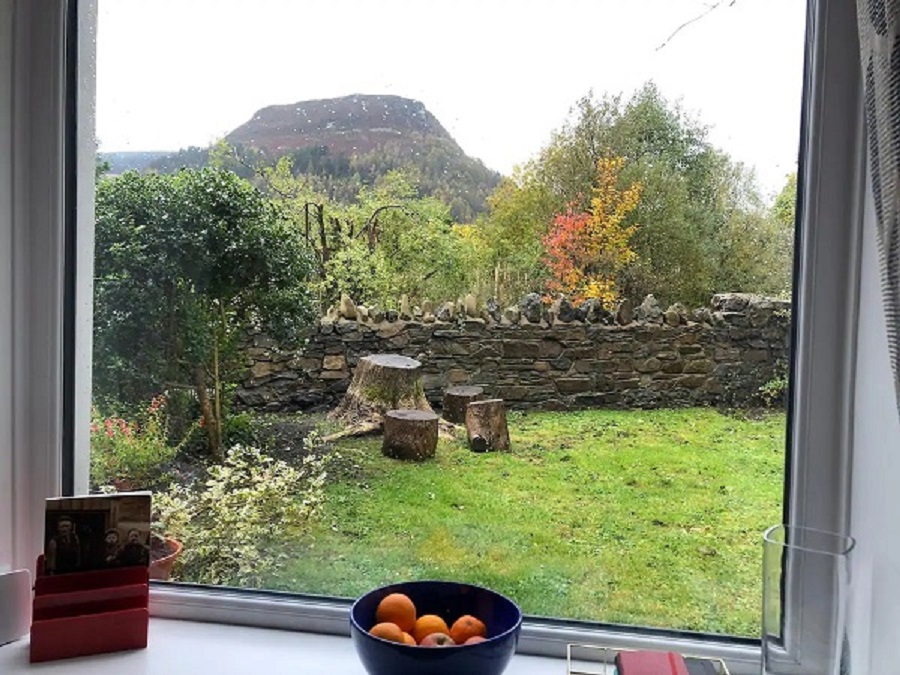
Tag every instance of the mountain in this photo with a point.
(347, 142)
(350, 125)
(120, 162)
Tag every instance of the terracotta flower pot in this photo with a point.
(161, 568)
(123, 485)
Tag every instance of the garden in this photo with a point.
(641, 517)
(232, 310)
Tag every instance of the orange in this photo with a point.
(399, 609)
(428, 624)
(387, 631)
(466, 627)
(409, 639)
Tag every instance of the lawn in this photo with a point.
(639, 517)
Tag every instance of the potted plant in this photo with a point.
(164, 551)
(164, 548)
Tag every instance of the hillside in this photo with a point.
(348, 141)
(120, 162)
(349, 125)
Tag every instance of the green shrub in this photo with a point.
(773, 392)
(131, 454)
(235, 523)
(239, 430)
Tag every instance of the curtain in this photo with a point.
(879, 38)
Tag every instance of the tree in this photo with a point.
(784, 217)
(511, 251)
(387, 242)
(585, 251)
(694, 196)
(785, 207)
(185, 263)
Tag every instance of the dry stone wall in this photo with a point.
(556, 357)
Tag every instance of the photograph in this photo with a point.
(98, 532)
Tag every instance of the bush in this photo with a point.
(239, 430)
(773, 392)
(235, 523)
(131, 454)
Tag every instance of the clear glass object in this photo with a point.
(806, 583)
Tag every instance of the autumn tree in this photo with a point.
(696, 201)
(585, 251)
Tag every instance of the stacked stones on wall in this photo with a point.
(537, 355)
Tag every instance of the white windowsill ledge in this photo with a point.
(190, 647)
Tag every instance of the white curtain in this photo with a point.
(879, 38)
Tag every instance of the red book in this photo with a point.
(650, 663)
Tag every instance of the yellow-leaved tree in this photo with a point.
(585, 251)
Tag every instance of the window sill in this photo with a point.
(192, 647)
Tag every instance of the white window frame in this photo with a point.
(31, 270)
(33, 78)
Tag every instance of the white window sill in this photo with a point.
(190, 647)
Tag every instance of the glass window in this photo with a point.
(584, 209)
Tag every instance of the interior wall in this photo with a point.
(875, 502)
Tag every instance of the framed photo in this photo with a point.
(98, 532)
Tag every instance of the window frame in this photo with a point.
(33, 306)
(31, 286)
(6, 286)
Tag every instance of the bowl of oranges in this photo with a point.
(435, 628)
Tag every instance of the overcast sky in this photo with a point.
(500, 75)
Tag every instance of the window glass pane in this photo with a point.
(309, 214)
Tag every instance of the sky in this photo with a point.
(500, 75)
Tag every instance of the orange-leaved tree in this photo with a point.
(584, 251)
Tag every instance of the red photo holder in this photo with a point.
(89, 612)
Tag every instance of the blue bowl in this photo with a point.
(449, 600)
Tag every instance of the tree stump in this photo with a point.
(410, 434)
(380, 383)
(456, 399)
(486, 425)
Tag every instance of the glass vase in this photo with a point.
(806, 581)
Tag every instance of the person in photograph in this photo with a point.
(63, 549)
(111, 548)
(134, 552)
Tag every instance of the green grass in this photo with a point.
(640, 517)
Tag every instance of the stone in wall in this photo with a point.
(624, 312)
(649, 311)
(563, 310)
(347, 308)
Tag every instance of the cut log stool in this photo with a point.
(410, 434)
(382, 382)
(456, 399)
(486, 425)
